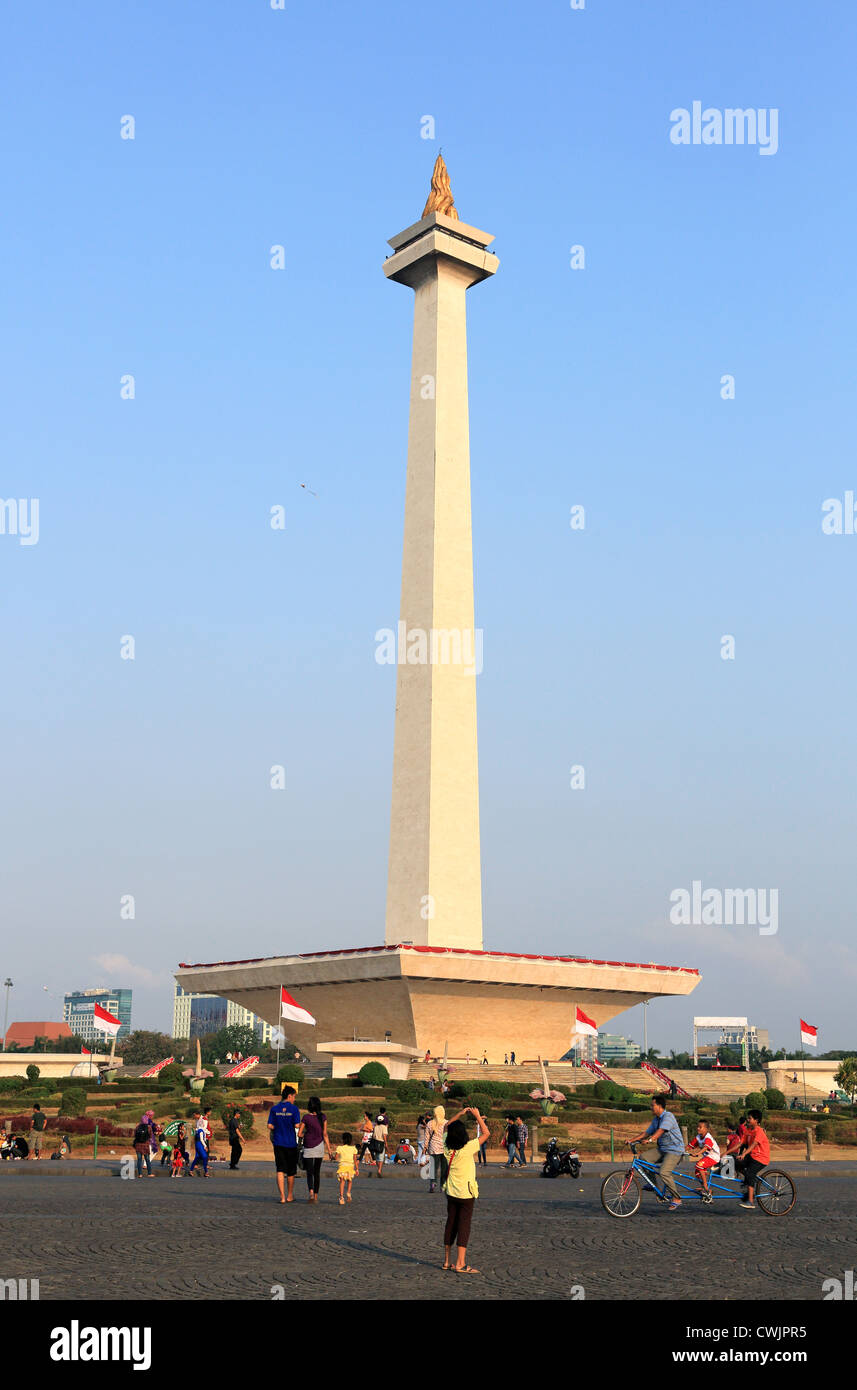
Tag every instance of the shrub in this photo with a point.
(498, 1089)
(290, 1071)
(413, 1092)
(611, 1090)
(73, 1101)
(373, 1074)
(33, 1072)
(171, 1074)
(756, 1100)
(483, 1102)
(775, 1099)
(9, 1085)
(825, 1133)
(245, 1115)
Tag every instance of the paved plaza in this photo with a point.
(102, 1238)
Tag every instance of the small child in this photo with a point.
(347, 1168)
(709, 1156)
(177, 1162)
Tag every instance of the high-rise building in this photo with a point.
(613, 1047)
(79, 1011)
(194, 1015)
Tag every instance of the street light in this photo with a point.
(7, 985)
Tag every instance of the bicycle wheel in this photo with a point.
(775, 1192)
(621, 1193)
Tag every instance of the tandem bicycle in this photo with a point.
(622, 1190)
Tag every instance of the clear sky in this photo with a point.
(599, 387)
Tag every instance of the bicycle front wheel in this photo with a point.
(621, 1193)
(775, 1192)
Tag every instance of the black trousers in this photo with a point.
(235, 1154)
(313, 1173)
(459, 1215)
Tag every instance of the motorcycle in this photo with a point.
(560, 1162)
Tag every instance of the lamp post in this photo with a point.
(7, 985)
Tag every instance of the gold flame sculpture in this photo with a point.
(440, 198)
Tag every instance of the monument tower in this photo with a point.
(431, 982)
(434, 886)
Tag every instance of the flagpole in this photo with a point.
(803, 1068)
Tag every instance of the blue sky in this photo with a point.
(598, 387)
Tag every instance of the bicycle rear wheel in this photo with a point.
(621, 1193)
(775, 1192)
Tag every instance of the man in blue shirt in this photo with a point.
(664, 1130)
(282, 1122)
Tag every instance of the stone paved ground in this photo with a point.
(228, 1238)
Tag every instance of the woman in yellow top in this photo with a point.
(461, 1187)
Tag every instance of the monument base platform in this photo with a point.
(425, 998)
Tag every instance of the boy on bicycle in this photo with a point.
(709, 1156)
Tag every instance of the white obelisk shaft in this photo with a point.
(434, 890)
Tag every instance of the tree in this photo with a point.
(236, 1038)
(846, 1077)
(46, 1044)
(142, 1048)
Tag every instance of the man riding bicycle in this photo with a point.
(665, 1132)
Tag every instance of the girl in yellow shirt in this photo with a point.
(346, 1156)
(461, 1187)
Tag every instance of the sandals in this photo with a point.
(465, 1269)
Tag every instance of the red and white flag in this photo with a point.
(105, 1022)
(290, 1008)
(808, 1034)
(85, 1052)
(584, 1024)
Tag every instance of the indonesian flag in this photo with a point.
(583, 1024)
(290, 1008)
(85, 1052)
(105, 1022)
(808, 1034)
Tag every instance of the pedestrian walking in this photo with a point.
(484, 1059)
(202, 1142)
(347, 1169)
(523, 1136)
(313, 1131)
(283, 1122)
(511, 1059)
(366, 1135)
(510, 1142)
(422, 1121)
(142, 1136)
(37, 1129)
(236, 1140)
(379, 1139)
(434, 1147)
(461, 1188)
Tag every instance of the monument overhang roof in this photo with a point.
(351, 951)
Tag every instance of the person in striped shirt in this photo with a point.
(709, 1156)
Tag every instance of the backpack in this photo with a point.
(141, 1134)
